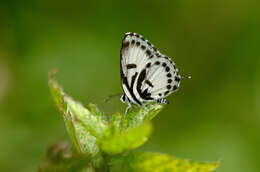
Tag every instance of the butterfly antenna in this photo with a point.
(112, 96)
(185, 77)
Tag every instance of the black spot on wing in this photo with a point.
(133, 79)
(144, 95)
(130, 66)
(175, 87)
(148, 65)
(167, 58)
(131, 89)
(125, 44)
(164, 64)
(149, 83)
(124, 97)
(157, 63)
(142, 38)
(143, 47)
(166, 92)
(177, 79)
(140, 80)
(169, 75)
(148, 52)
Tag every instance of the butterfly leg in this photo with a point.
(145, 106)
(162, 101)
(127, 108)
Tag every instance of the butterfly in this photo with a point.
(146, 74)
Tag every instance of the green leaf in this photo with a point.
(139, 115)
(114, 125)
(93, 121)
(116, 142)
(98, 141)
(58, 97)
(155, 162)
(83, 125)
(129, 131)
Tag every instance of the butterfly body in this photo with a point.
(146, 74)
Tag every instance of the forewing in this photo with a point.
(135, 53)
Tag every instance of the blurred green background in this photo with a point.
(215, 115)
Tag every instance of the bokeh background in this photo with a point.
(213, 116)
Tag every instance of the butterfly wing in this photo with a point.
(135, 53)
(162, 78)
(146, 74)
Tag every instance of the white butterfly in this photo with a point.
(146, 74)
